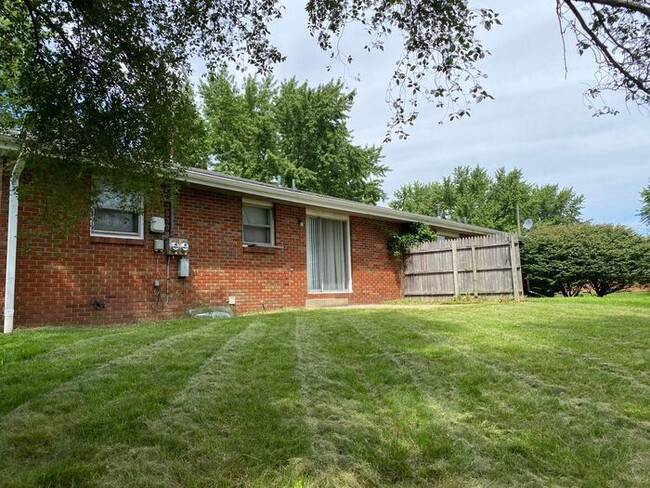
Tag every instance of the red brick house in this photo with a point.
(252, 247)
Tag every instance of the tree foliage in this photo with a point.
(471, 195)
(616, 32)
(644, 213)
(262, 131)
(412, 233)
(103, 85)
(566, 258)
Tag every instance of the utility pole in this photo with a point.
(518, 223)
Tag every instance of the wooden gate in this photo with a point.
(473, 266)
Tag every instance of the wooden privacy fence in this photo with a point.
(475, 266)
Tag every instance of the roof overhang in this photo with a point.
(8, 142)
(211, 179)
(242, 186)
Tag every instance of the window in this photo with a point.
(328, 258)
(117, 215)
(258, 224)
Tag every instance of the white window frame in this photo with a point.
(342, 218)
(259, 204)
(119, 234)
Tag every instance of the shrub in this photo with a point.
(414, 233)
(566, 258)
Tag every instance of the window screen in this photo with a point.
(117, 214)
(258, 225)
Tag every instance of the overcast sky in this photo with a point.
(538, 121)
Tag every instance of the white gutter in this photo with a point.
(8, 141)
(12, 245)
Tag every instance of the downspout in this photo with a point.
(12, 244)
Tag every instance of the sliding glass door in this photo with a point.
(328, 262)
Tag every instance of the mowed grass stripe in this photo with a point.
(370, 423)
(71, 425)
(66, 362)
(612, 383)
(53, 342)
(238, 422)
(144, 460)
(574, 324)
(539, 365)
(530, 411)
(512, 331)
(456, 386)
(25, 344)
(442, 445)
(330, 411)
(335, 401)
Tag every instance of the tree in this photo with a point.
(471, 195)
(616, 32)
(549, 260)
(292, 131)
(566, 258)
(644, 213)
(101, 85)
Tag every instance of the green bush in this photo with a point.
(566, 258)
(414, 233)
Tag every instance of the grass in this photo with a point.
(550, 392)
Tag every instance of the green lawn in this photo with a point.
(550, 392)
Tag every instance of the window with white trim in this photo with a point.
(117, 215)
(257, 228)
(328, 255)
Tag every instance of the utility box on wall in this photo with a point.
(183, 268)
(157, 225)
(158, 245)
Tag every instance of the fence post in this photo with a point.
(474, 272)
(513, 267)
(454, 265)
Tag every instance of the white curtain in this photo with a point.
(327, 255)
(313, 254)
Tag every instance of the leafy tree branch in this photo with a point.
(633, 6)
(616, 32)
(104, 85)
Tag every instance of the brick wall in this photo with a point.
(92, 280)
(376, 275)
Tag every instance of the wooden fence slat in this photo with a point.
(513, 264)
(443, 268)
(454, 263)
(474, 272)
